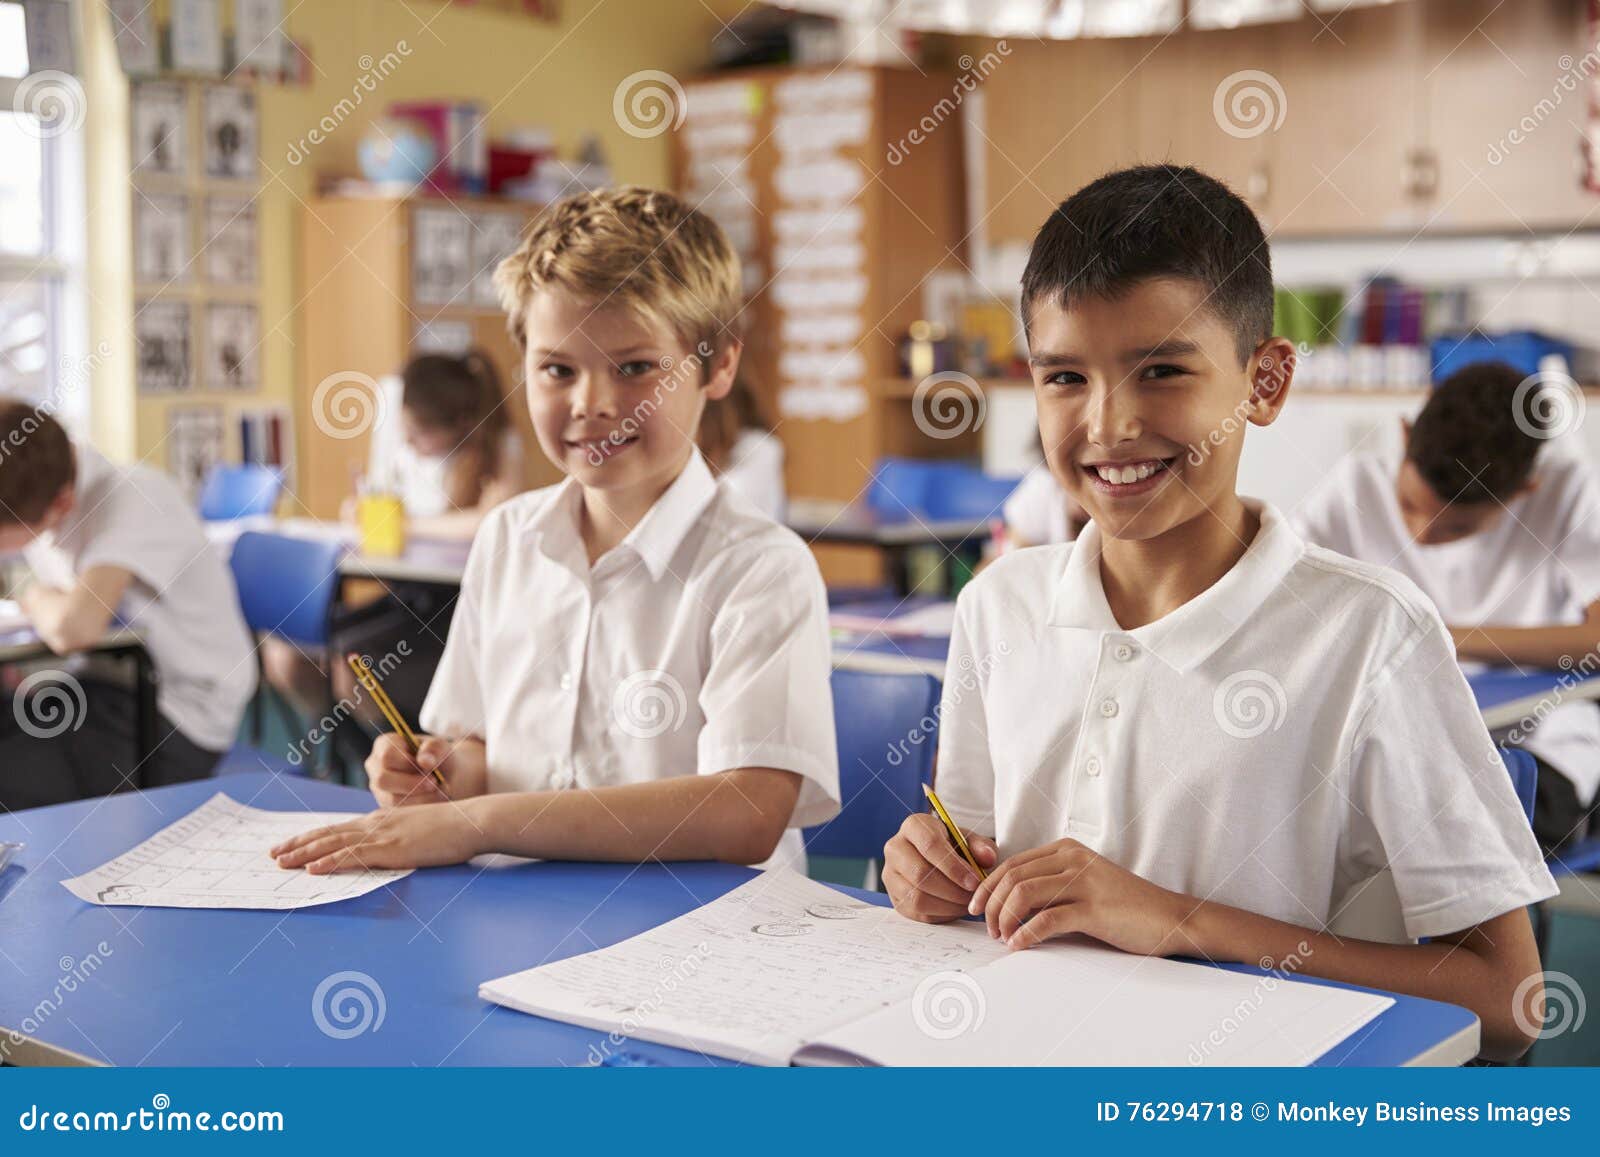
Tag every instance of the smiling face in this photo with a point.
(616, 397)
(1142, 403)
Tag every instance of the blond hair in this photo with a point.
(640, 248)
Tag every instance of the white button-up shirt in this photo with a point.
(698, 645)
(1537, 566)
(1294, 736)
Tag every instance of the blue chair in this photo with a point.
(887, 728)
(1524, 771)
(287, 589)
(1583, 856)
(233, 492)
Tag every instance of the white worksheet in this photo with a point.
(786, 970)
(751, 975)
(216, 857)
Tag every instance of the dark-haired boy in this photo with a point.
(1194, 734)
(1506, 542)
(102, 539)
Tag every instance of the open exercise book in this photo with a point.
(785, 970)
(216, 857)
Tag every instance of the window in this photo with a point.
(43, 325)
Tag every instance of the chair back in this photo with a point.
(233, 492)
(287, 586)
(887, 726)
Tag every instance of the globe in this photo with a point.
(396, 151)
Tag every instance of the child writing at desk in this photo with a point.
(103, 541)
(1243, 734)
(1504, 537)
(638, 666)
(458, 458)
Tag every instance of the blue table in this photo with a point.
(1507, 695)
(192, 988)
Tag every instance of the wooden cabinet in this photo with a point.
(1432, 114)
(1506, 108)
(363, 306)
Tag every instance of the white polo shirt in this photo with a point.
(1039, 510)
(698, 645)
(1275, 744)
(181, 599)
(1537, 566)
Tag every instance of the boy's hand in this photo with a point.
(397, 778)
(1066, 887)
(413, 837)
(925, 876)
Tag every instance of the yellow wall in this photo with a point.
(560, 74)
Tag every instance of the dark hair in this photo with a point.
(460, 395)
(36, 462)
(1156, 221)
(1476, 438)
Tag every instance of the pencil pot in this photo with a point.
(382, 521)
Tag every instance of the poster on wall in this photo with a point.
(441, 256)
(160, 238)
(230, 241)
(160, 144)
(196, 441)
(232, 348)
(196, 36)
(161, 331)
(133, 27)
(229, 129)
(494, 238)
(258, 38)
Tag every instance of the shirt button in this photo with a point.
(1091, 766)
(566, 682)
(1108, 707)
(1123, 652)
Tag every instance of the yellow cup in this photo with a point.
(382, 521)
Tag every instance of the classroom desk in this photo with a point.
(436, 561)
(24, 646)
(184, 987)
(1507, 695)
(856, 650)
(895, 537)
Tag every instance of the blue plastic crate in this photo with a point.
(1520, 349)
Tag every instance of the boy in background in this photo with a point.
(1505, 541)
(101, 541)
(1193, 733)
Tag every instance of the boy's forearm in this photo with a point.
(1450, 970)
(736, 816)
(1562, 646)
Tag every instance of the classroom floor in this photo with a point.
(1573, 952)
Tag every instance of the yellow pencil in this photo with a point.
(956, 837)
(363, 672)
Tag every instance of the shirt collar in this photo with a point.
(1185, 638)
(656, 537)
